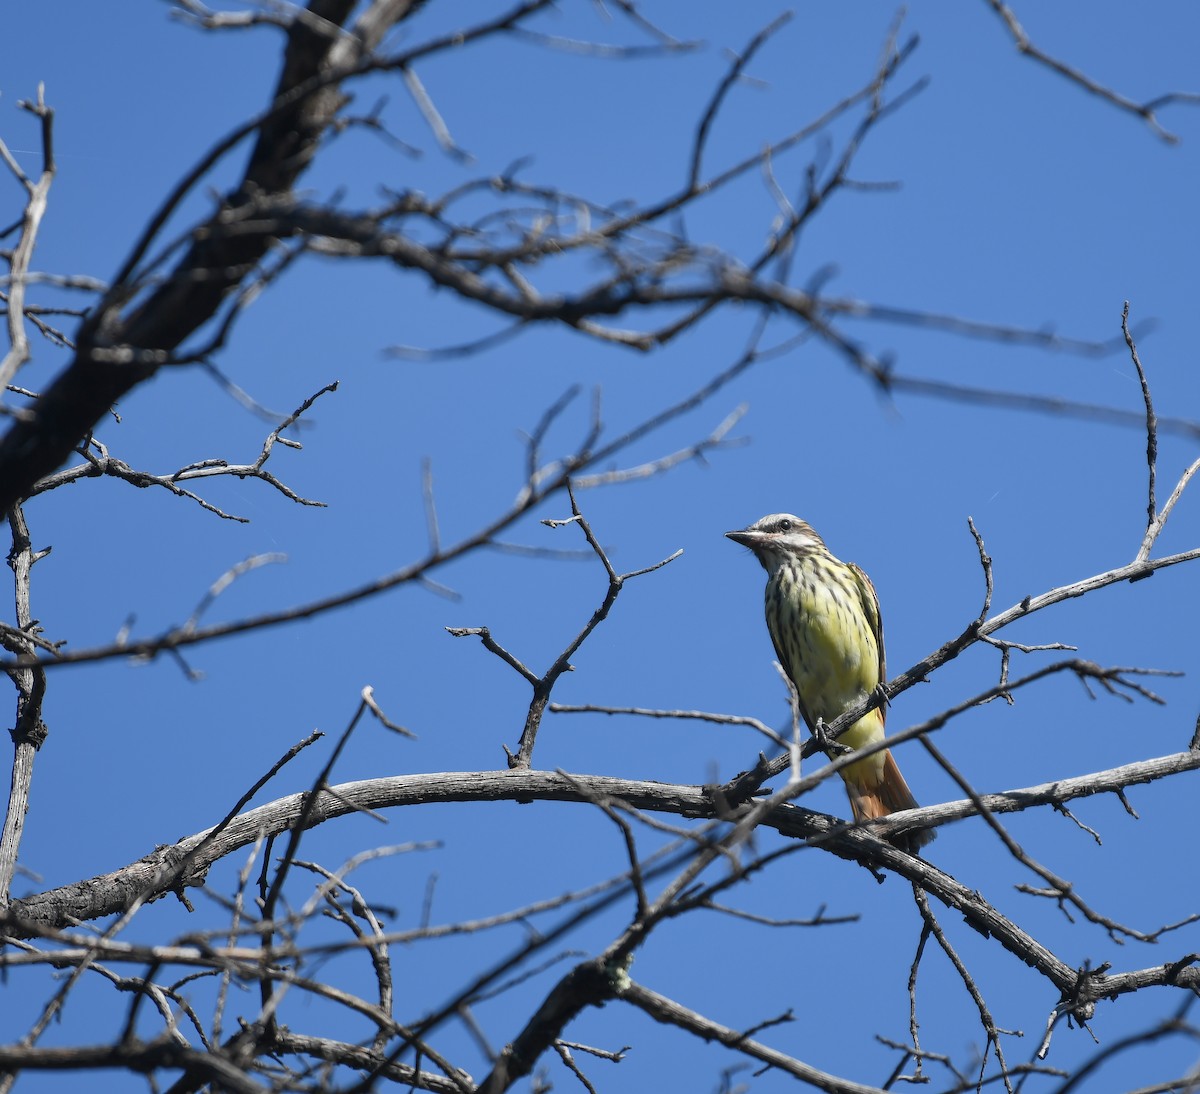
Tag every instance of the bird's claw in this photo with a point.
(820, 741)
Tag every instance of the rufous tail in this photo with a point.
(889, 795)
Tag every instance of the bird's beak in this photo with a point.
(746, 538)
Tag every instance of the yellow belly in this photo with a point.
(829, 650)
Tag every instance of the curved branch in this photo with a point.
(1145, 111)
(157, 874)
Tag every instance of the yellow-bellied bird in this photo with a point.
(823, 616)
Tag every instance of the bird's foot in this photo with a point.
(820, 741)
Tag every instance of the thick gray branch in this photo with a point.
(169, 868)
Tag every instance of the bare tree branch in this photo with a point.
(1146, 111)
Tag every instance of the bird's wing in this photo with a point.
(870, 604)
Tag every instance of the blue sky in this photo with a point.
(1020, 200)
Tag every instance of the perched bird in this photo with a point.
(823, 616)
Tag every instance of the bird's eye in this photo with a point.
(785, 525)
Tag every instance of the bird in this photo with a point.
(824, 621)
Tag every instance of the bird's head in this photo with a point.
(775, 537)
